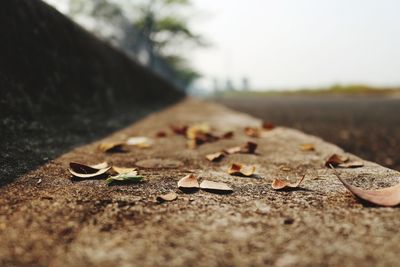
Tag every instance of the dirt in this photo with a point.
(368, 126)
(60, 221)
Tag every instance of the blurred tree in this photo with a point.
(159, 22)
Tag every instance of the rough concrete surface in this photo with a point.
(65, 222)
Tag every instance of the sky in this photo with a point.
(289, 44)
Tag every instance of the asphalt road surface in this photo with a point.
(368, 126)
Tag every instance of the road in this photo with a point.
(368, 126)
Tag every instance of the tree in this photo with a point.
(159, 22)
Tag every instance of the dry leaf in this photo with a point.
(252, 131)
(241, 170)
(197, 129)
(121, 170)
(336, 159)
(85, 171)
(389, 196)
(140, 141)
(111, 147)
(179, 129)
(188, 182)
(161, 134)
(268, 125)
(249, 147)
(351, 164)
(215, 187)
(215, 156)
(227, 135)
(129, 176)
(307, 147)
(233, 150)
(99, 166)
(171, 196)
(279, 184)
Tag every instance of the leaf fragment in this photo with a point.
(389, 196)
(214, 157)
(188, 182)
(197, 129)
(140, 141)
(238, 169)
(279, 184)
(171, 196)
(351, 164)
(111, 147)
(129, 176)
(85, 171)
(216, 187)
(307, 147)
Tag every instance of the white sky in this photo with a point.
(299, 43)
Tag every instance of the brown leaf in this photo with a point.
(111, 147)
(307, 147)
(121, 170)
(241, 170)
(140, 141)
(197, 129)
(216, 187)
(268, 125)
(188, 182)
(161, 134)
(336, 159)
(389, 196)
(85, 171)
(233, 150)
(215, 156)
(227, 135)
(179, 129)
(252, 131)
(171, 196)
(351, 164)
(279, 184)
(249, 147)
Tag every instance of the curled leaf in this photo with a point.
(121, 170)
(99, 166)
(215, 187)
(86, 171)
(129, 176)
(171, 196)
(111, 147)
(140, 141)
(279, 184)
(351, 164)
(188, 182)
(215, 156)
(389, 196)
(307, 147)
(336, 159)
(241, 170)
